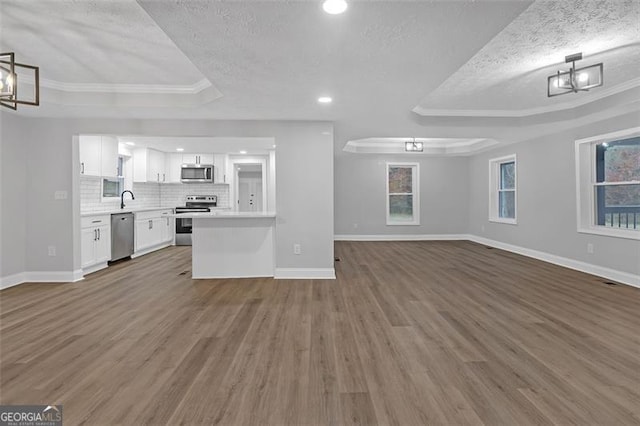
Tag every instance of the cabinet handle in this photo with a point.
(98, 233)
(95, 235)
(151, 224)
(81, 168)
(164, 177)
(158, 177)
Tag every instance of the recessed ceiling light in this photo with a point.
(130, 143)
(274, 146)
(243, 152)
(325, 100)
(179, 149)
(334, 7)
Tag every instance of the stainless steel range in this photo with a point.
(194, 204)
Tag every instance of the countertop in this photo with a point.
(138, 210)
(227, 215)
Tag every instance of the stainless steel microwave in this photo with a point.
(196, 173)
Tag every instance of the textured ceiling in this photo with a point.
(94, 42)
(380, 60)
(271, 60)
(508, 75)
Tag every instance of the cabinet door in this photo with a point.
(91, 155)
(167, 229)
(88, 238)
(103, 244)
(158, 231)
(190, 158)
(220, 168)
(205, 158)
(155, 164)
(140, 165)
(109, 154)
(144, 234)
(172, 166)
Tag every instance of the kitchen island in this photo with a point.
(232, 244)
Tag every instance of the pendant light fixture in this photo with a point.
(576, 79)
(413, 146)
(10, 73)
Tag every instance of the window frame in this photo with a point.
(415, 193)
(586, 184)
(494, 189)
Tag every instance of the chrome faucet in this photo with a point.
(122, 198)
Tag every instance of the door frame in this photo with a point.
(262, 162)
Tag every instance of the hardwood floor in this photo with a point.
(411, 333)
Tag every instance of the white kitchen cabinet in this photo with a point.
(172, 167)
(95, 241)
(148, 233)
(109, 156)
(91, 155)
(98, 155)
(220, 168)
(197, 158)
(148, 165)
(153, 228)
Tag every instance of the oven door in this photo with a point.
(184, 225)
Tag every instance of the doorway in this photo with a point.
(250, 187)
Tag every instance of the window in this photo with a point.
(112, 188)
(502, 192)
(608, 184)
(403, 201)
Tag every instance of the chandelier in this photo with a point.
(10, 72)
(576, 79)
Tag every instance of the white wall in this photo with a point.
(305, 166)
(547, 200)
(360, 191)
(13, 186)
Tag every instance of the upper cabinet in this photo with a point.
(148, 165)
(99, 156)
(220, 168)
(172, 167)
(197, 158)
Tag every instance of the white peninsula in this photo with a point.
(232, 244)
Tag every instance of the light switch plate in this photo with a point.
(60, 195)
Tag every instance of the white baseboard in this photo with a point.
(402, 237)
(305, 274)
(40, 277)
(601, 271)
(11, 280)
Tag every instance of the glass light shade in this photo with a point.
(7, 75)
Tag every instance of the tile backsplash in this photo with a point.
(147, 195)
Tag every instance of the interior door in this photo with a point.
(249, 191)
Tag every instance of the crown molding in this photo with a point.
(431, 146)
(502, 113)
(126, 88)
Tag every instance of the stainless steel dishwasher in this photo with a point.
(121, 236)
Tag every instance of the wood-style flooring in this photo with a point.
(410, 333)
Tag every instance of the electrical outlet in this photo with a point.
(297, 249)
(60, 195)
(52, 250)
(590, 248)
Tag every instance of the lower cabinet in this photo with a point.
(95, 240)
(153, 228)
